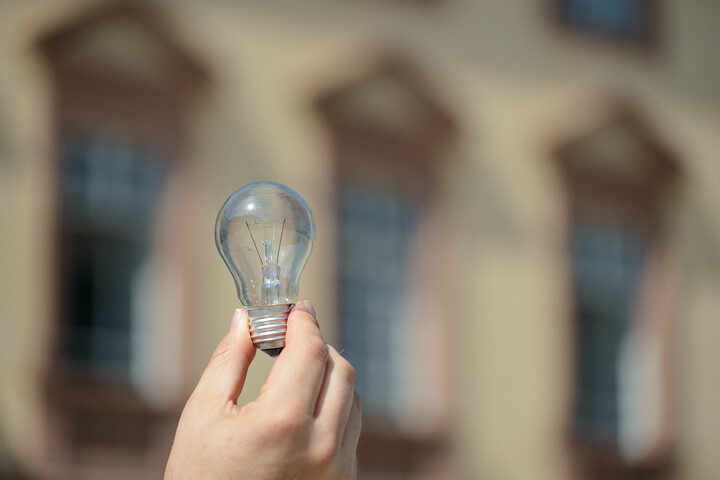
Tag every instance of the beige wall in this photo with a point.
(515, 85)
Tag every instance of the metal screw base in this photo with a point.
(268, 325)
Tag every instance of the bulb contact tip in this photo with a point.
(273, 352)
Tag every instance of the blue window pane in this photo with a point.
(376, 228)
(107, 196)
(607, 261)
(625, 19)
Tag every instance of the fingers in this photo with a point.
(354, 425)
(298, 373)
(224, 376)
(336, 395)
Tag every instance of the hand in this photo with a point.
(304, 425)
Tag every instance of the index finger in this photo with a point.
(298, 373)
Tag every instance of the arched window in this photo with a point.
(619, 180)
(387, 133)
(122, 89)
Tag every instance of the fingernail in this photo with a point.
(309, 308)
(236, 317)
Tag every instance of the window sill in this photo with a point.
(94, 421)
(594, 460)
(389, 452)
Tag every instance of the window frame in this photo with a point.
(84, 417)
(394, 156)
(645, 203)
(358, 147)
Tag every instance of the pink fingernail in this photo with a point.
(309, 308)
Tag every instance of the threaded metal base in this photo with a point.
(268, 325)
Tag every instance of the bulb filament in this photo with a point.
(271, 290)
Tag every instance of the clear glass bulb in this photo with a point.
(265, 233)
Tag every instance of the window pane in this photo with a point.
(107, 194)
(628, 19)
(607, 259)
(376, 230)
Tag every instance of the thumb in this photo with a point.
(224, 376)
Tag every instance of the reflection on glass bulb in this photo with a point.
(265, 233)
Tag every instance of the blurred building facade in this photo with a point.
(518, 239)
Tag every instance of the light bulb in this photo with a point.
(265, 233)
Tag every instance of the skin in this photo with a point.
(304, 425)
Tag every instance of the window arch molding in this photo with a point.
(618, 177)
(122, 92)
(386, 129)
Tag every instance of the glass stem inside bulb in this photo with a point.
(271, 291)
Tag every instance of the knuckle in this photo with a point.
(192, 403)
(264, 389)
(223, 350)
(345, 368)
(290, 422)
(317, 349)
(324, 455)
(348, 371)
(191, 406)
